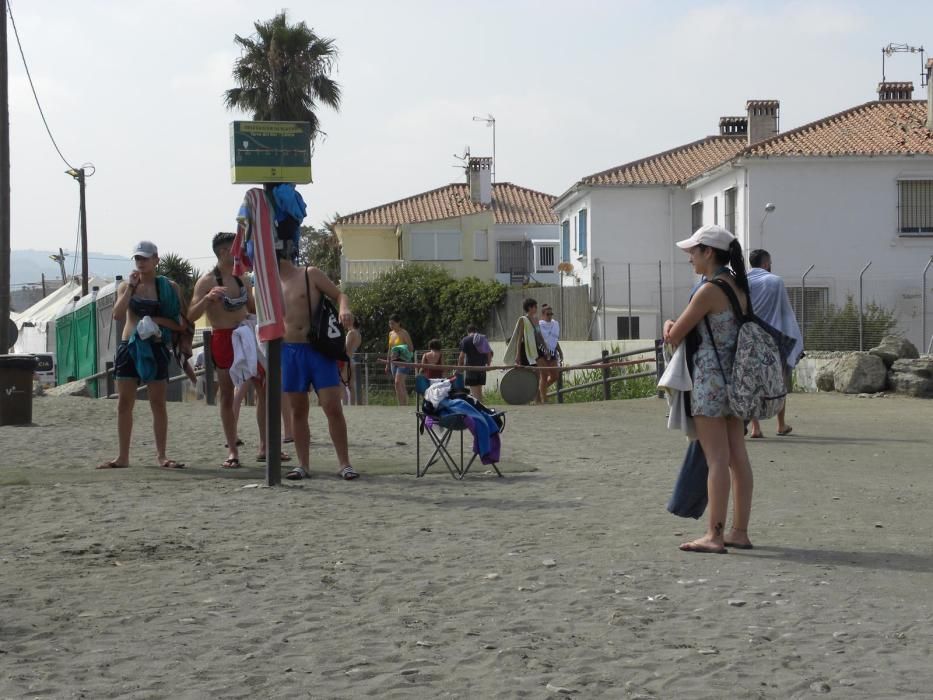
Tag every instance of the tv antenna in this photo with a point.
(891, 49)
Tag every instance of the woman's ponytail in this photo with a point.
(737, 263)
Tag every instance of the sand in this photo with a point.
(562, 579)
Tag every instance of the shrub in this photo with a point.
(431, 302)
(837, 327)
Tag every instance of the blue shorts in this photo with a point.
(304, 367)
(401, 370)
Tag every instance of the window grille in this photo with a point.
(915, 206)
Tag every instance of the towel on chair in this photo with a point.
(486, 441)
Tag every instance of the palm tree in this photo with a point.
(284, 73)
(181, 271)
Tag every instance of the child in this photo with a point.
(432, 357)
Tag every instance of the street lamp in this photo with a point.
(769, 207)
(490, 121)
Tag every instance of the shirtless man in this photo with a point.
(353, 342)
(144, 294)
(303, 367)
(227, 301)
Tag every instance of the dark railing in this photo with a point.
(607, 378)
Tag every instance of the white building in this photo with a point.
(849, 189)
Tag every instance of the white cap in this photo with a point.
(712, 235)
(145, 249)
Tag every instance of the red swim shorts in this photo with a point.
(222, 347)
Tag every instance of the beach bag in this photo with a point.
(326, 335)
(756, 389)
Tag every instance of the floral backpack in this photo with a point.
(756, 388)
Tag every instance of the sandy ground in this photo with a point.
(563, 578)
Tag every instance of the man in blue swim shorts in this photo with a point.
(304, 368)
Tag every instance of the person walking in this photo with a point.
(475, 352)
(153, 309)
(709, 318)
(772, 305)
(352, 343)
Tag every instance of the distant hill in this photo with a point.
(28, 266)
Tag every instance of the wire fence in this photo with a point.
(837, 308)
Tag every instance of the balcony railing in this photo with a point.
(363, 271)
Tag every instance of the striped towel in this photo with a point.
(256, 226)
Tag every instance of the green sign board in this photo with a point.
(270, 152)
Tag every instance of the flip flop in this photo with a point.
(172, 464)
(348, 473)
(112, 464)
(782, 433)
(285, 441)
(230, 463)
(739, 546)
(297, 474)
(702, 549)
(758, 437)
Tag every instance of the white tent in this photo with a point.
(36, 324)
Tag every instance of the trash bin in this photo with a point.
(16, 372)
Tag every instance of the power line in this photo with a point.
(33, 87)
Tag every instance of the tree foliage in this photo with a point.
(431, 303)
(836, 328)
(181, 271)
(320, 248)
(284, 73)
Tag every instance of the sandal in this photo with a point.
(231, 463)
(348, 473)
(283, 458)
(297, 474)
(112, 464)
(171, 464)
(702, 548)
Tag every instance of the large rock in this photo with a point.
(913, 377)
(894, 347)
(78, 388)
(825, 379)
(859, 373)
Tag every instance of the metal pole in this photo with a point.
(923, 302)
(603, 282)
(366, 375)
(630, 301)
(493, 178)
(660, 301)
(861, 333)
(81, 178)
(61, 264)
(803, 305)
(274, 412)
(606, 389)
(4, 190)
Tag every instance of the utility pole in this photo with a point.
(4, 190)
(80, 175)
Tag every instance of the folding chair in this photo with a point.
(441, 430)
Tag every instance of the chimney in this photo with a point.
(930, 94)
(762, 119)
(479, 173)
(733, 126)
(895, 92)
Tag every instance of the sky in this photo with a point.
(136, 88)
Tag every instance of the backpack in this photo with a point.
(756, 388)
(326, 335)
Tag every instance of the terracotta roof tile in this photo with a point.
(871, 129)
(511, 204)
(673, 167)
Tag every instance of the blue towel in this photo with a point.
(690, 496)
(484, 427)
(143, 357)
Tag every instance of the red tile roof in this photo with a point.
(674, 167)
(511, 204)
(871, 129)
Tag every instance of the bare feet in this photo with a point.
(704, 545)
(170, 463)
(786, 430)
(112, 464)
(738, 539)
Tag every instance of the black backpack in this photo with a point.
(326, 335)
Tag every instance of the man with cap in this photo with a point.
(227, 301)
(153, 308)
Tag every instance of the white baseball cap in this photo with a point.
(711, 235)
(145, 249)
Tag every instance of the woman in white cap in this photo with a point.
(713, 251)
